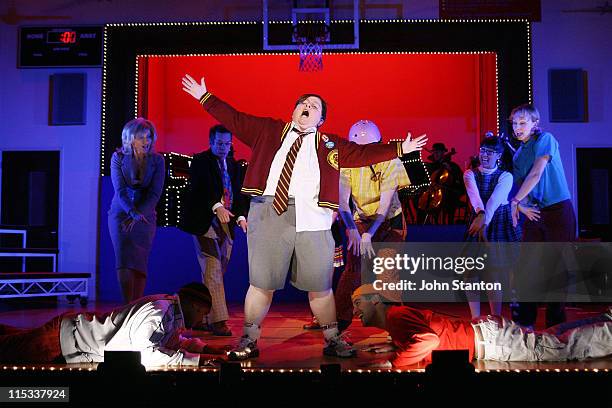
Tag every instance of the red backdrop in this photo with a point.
(451, 97)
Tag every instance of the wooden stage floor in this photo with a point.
(286, 345)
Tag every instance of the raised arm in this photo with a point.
(354, 155)
(247, 128)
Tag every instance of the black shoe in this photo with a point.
(221, 329)
(246, 348)
(202, 327)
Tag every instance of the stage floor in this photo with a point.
(286, 345)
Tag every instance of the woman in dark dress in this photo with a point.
(137, 173)
(488, 186)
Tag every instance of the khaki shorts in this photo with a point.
(273, 243)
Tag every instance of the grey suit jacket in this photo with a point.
(129, 195)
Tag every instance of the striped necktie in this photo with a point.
(281, 196)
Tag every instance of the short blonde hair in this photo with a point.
(525, 109)
(135, 127)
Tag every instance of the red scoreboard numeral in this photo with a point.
(68, 37)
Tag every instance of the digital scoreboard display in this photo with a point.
(79, 46)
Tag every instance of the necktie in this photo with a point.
(281, 196)
(227, 185)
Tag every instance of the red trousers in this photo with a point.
(37, 345)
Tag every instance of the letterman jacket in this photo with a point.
(265, 135)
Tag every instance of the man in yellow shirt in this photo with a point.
(376, 214)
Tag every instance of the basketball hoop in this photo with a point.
(309, 37)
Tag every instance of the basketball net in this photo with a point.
(310, 38)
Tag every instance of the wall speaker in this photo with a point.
(567, 95)
(68, 94)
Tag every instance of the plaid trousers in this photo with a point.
(213, 250)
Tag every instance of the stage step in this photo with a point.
(24, 253)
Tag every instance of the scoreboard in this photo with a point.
(65, 46)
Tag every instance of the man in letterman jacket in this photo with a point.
(293, 177)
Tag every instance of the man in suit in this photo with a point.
(213, 202)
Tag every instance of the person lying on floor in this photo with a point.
(153, 325)
(415, 333)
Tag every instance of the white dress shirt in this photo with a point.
(151, 325)
(305, 183)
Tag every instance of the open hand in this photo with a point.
(244, 225)
(476, 225)
(193, 88)
(515, 213)
(127, 225)
(366, 245)
(532, 213)
(354, 241)
(136, 216)
(482, 234)
(411, 145)
(223, 214)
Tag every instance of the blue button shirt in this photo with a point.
(552, 187)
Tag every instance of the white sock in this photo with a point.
(252, 331)
(330, 331)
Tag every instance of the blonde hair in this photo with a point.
(133, 128)
(525, 109)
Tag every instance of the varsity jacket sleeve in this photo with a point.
(241, 201)
(247, 128)
(351, 154)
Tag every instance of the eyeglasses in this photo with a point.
(487, 151)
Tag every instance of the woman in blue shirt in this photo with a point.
(538, 173)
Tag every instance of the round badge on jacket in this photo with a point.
(332, 159)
